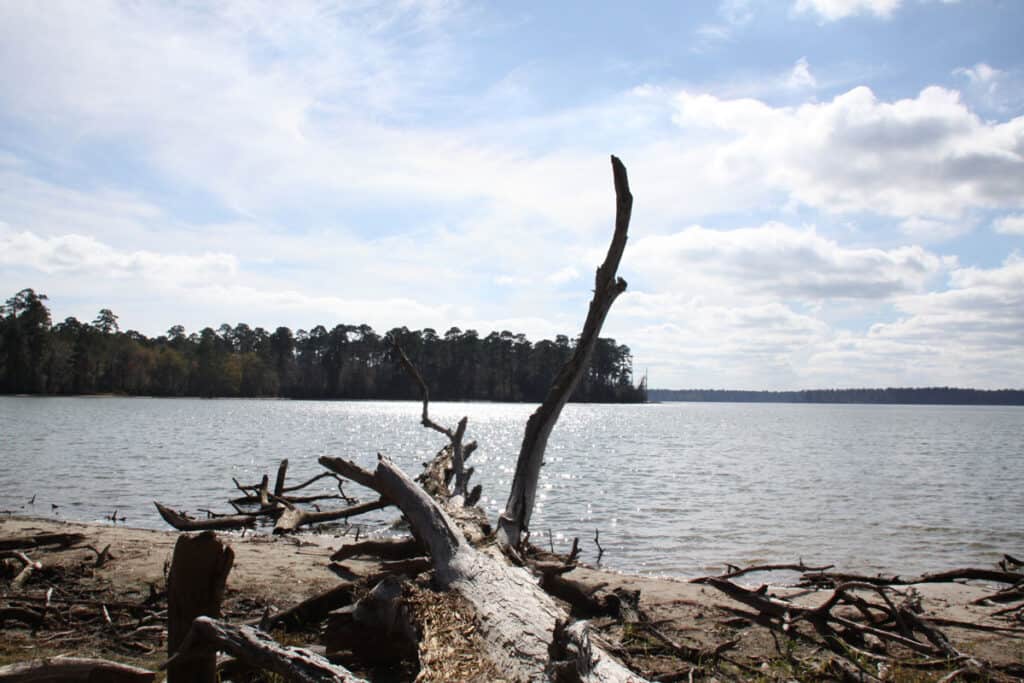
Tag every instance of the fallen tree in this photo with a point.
(528, 635)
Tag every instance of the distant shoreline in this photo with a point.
(889, 396)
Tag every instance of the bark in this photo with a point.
(40, 540)
(28, 566)
(183, 523)
(516, 618)
(515, 520)
(195, 587)
(282, 471)
(399, 549)
(258, 650)
(61, 669)
(378, 626)
(292, 517)
(454, 437)
(313, 610)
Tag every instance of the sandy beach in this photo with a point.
(274, 573)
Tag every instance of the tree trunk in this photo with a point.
(68, 669)
(258, 650)
(195, 587)
(517, 619)
(515, 520)
(183, 523)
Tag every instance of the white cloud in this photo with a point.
(801, 76)
(86, 257)
(928, 156)
(781, 261)
(560, 277)
(1010, 225)
(832, 10)
(931, 230)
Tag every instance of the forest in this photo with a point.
(346, 362)
(891, 395)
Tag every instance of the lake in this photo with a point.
(674, 488)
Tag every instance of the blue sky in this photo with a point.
(829, 193)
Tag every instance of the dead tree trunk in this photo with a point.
(195, 587)
(258, 650)
(69, 669)
(515, 520)
(517, 619)
(282, 471)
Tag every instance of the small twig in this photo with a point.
(600, 550)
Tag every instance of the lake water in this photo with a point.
(674, 488)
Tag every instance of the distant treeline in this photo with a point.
(346, 362)
(926, 395)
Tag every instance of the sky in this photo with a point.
(828, 193)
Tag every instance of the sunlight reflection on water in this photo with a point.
(674, 488)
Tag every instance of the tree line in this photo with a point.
(346, 362)
(892, 395)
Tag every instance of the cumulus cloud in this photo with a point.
(562, 276)
(1010, 225)
(832, 10)
(928, 155)
(788, 262)
(85, 256)
(980, 73)
(931, 230)
(801, 76)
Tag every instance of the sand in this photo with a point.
(277, 572)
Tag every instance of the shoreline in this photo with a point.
(275, 573)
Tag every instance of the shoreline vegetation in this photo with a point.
(892, 396)
(345, 362)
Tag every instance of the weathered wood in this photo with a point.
(195, 587)
(28, 566)
(961, 574)
(312, 610)
(264, 491)
(454, 437)
(517, 619)
(29, 617)
(183, 523)
(260, 651)
(292, 517)
(282, 472)
(515, 520)
(798, 567)
(39, 540)
(69, 669)
(393, 549)
(378, 626)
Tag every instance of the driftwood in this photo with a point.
(515, 520)
(901, 625)
(378, 626)
(819, 578)
(25, 615)
(385, 549)
(195, 587)
(259, 651)
(27, 567)
(312, 610)
(455, 437)
(292, 517)
(734, 571)
(510, 605)
(61, 669)
(40, 540)
(183, 523)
